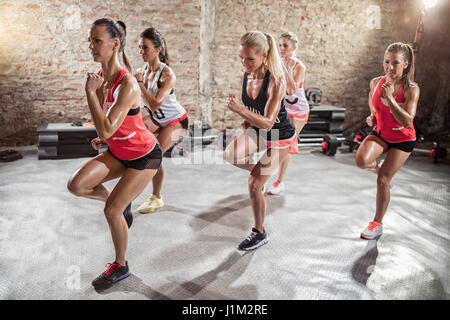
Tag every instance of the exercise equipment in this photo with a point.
(313, 96)
(437, 152)
(10, 155)
(355, 139)
(324, 119)
(198, 135)
(226, 136)
(330, 144)
(66, 140)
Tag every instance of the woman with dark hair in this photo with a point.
(393, 103)
(166, 117)
(133, 153)
(266, 123)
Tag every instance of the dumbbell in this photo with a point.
(437, 152)
(225, 137)
(354, 141)
(330, 144)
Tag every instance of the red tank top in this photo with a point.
(132, 140)
(387, 127)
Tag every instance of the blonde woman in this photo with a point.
(295, 100)
(266, 123)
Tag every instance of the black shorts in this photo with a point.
(151, 160)
(406, 146)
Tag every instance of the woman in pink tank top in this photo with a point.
(133, 154)
(393, 103)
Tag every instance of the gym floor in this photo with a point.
(53, 244)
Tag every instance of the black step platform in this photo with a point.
(66, 140)
(323, 119)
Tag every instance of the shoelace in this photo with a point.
(111, 267)
(251, 236)
(373, 225)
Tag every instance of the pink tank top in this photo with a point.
(387, 126)
(132, 140)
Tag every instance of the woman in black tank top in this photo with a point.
(266, 123)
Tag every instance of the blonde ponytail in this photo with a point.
(273, 61)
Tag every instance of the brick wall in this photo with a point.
(341, 43)
(44, 56)
(44, 51)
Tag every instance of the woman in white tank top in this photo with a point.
(165, 117)
(295, 100)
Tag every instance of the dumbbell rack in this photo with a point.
(64, 140)
(323, 119)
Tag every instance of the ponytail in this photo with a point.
(125, 59)
(273, 61)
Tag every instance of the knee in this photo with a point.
(111, 211)
(361, 162)
(74, 187)
(383, 180)
(254, 185)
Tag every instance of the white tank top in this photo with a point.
(171, 109)
(296, 103)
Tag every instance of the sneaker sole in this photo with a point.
(367, 238)
(149, 210)
(257, 245)
(108, 285)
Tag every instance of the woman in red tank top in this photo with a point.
(134, 156)
(393, 102)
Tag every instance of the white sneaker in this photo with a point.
(151, 204)
(373, 231)
(276, 188)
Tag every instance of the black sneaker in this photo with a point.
(254, 240)
(128, 216)
(114, 272)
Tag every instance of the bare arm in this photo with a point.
(168, 80)
(107, 124)
(371, 119)
(298, 76)
(275, 93)
(404, 115)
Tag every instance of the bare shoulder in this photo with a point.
(129, 84)
(412, 89)
(374, 81)
(167, 73)
(274, 84)
(128, 80)
(299, 63)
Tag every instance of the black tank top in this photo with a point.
(283, 123)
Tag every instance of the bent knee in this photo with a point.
(75, 188)
(363, 163)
